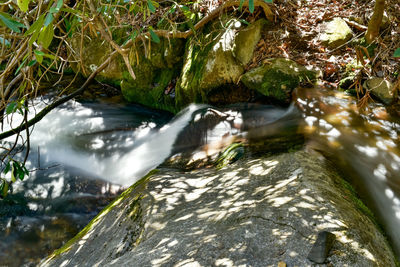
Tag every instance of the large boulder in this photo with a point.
(277, 78)
(90, 53)
(154, 72)
(155, 66)
(335, 33)
(216, 57)
(255, 212)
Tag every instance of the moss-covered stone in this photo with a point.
(93, 51)
(277, 78)
(336, 33)
(154, 72)
(215, 58)
(246, 41)
(126, 194)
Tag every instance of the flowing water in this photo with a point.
(84, 153)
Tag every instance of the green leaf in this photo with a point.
(46, 36)
(37, 25)
(151, 6)
(269, 1)
(70, 10)
(59, 4)
(397, 52)
(251, 6)
(49, 56)
(48, 20)
(7, 168)
(10, 23)
(11, 108)
(23, 5)
(32, 62)
(241, 4)
(20, 66)
(184, 8)
(244, 22)
(14, 172)
(154, 36)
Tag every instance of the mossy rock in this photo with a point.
(154, 72)
(94, 52)
(215, 58)
(277, 78)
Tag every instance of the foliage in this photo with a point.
(397, 52)
(35, 40)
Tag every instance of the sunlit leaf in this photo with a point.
(46, 36)
(397, 52)
(37, 25)
(23, 5)
(154, 36)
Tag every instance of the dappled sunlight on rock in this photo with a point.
(232, 217)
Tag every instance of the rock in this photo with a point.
(255, 212)
(94, 52)
(154, 66)
(214, 58)
(380, 88)
(153, 74)
(335, 33)
(277, 78)
(246, 41)
(321, 247)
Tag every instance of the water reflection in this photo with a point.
(363, 144)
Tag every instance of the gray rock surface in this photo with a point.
(380, 88)
(255, 212)
(335, 33)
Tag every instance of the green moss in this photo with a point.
(352, 194)
(278, 78)
(153, 74)
(110, 206)
(188, 86)
(231, 154)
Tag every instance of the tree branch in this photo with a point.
(215, 13)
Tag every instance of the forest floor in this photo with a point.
(296, 32)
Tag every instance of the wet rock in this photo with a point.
(321, 247)
(335, 33)
(277, 78)
(380, 88)
(254, 212)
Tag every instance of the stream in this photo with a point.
(83, 154)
